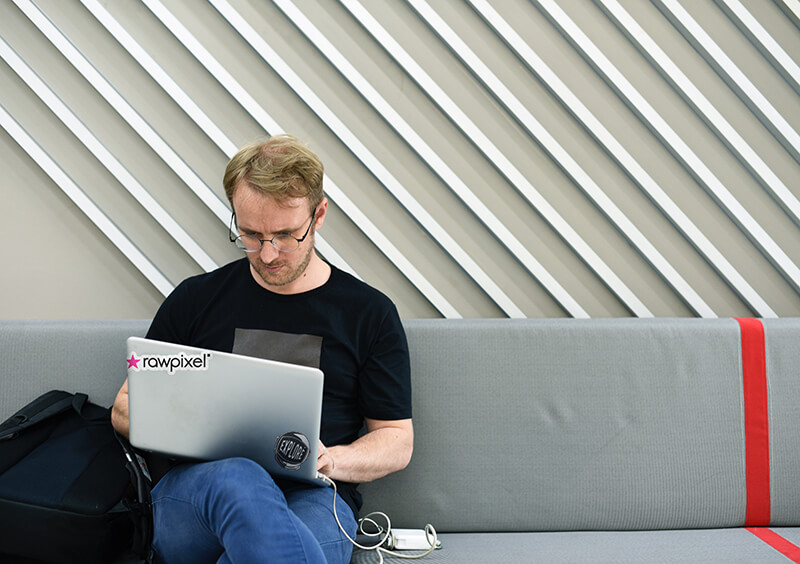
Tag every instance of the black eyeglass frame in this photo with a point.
(270, 241)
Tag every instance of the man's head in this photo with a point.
(275, 189)
(280, 167)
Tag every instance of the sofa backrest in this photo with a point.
(532, 425)
(548, 425)
(72, 355)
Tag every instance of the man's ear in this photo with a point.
(322, 209)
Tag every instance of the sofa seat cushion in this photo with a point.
(678, 546)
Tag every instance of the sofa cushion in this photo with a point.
(782, 343)
(617, 424)
(713, 546)
(72, 355)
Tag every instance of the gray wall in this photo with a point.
(570, 158)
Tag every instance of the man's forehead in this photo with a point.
(270, 215)
(251, 199)
(245, 193)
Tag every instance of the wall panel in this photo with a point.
(530, 158)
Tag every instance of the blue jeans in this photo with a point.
(231, 511)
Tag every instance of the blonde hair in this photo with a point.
(281, 167)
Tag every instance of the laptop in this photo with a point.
(193, 403)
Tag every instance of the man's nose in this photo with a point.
(268, 252)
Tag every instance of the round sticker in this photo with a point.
(291, 450)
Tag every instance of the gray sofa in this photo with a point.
(551, 440)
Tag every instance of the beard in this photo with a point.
(291, 266)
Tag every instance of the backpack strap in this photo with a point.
(142, 507)
(45, 406)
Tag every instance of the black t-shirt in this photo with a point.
(350, 330)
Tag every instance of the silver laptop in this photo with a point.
(193, 403)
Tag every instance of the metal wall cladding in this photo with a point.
(515, 159)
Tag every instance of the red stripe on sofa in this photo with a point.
(756, 422)
(789, 550)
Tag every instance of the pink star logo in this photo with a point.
(133, 362)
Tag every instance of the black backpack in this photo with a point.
(71, 490)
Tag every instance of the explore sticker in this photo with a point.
(291, 450)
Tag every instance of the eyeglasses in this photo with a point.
(284, 242)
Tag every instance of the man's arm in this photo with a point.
(385, 448)
(119, 412)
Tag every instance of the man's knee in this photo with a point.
(237, 479)
(237, 467)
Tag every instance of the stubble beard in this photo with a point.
(286, 275)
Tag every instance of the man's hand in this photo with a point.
(119, 412)
(385, 448)
(325, 462)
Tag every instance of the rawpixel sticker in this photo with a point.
(169, 362)
(291, 450)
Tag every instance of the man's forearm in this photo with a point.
(378, 453)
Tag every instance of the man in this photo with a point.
(284, 302)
